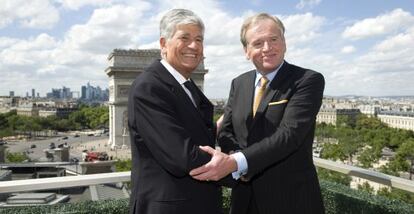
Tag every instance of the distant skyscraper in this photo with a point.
(27, 94)
(91, 93)
(66, 93)
(11, 94)
(83, 91)
(38, 95)
(56, 94)
(33, 93)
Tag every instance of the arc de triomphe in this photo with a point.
(124, 67)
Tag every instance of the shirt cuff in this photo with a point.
(241, 165)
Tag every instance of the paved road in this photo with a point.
(40, 145)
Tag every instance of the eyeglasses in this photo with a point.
(258, 44)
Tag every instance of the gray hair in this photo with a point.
(175, 17)
(256, 18)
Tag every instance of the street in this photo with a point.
(34, 149)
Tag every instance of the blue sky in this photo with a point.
(362, 47)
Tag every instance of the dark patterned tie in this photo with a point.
(192, 88)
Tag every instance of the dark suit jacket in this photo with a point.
(166, 130)
(277, 142)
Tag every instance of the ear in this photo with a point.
(246, 53)
(163, 43)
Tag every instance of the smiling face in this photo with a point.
(266, 45)
(184, 50)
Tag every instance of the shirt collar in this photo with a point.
(180, 78)
(270, 76)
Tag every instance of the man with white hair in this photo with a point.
(168, 119)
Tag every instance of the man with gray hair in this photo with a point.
(169, 118)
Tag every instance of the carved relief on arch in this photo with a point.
(125, 130)
(123, 91)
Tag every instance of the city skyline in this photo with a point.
(361, 48)
(37, 94)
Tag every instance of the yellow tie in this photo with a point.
(260, 93)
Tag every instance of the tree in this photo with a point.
(389, 169)
(324, 132)
(371, 123)
(405, 157)
(79, 119)
(369, 156)
(15, 122)
(91, 117)
(15, 157)
(62, 125)
(6, 132)
(349, 142)
(337, 177)
(3, 121)
(397, 194)
(345, 121)
(366, 187)
(332, 152)
(123, 165)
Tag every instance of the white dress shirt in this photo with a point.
(180, 78)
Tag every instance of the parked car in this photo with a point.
(52, 146)
(74, 160)
(65, 138)
(33, 146)
(76, 135)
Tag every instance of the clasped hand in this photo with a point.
(219, 166)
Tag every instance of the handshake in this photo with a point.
(218, 167)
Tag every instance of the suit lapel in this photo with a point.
(272, 91)
(184, 100)
(248, 96)
(205, 108)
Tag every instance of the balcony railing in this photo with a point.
(389, 180)
(337, 198)
(94, 179)
(63, 182)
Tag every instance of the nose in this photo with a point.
(266, 46)
(193, 44)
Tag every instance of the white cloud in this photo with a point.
(7, 41)
(384, 24)
(307, 4)
(80, 55)
(29, 52)
(301, 28)
(76, 4)
(39, 14)
(382, 70)
(392, 55)
(348, 49)
(397, 42)
(107, 29)
(225, 57)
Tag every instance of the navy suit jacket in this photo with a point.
(277, 142)
(166, 130)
